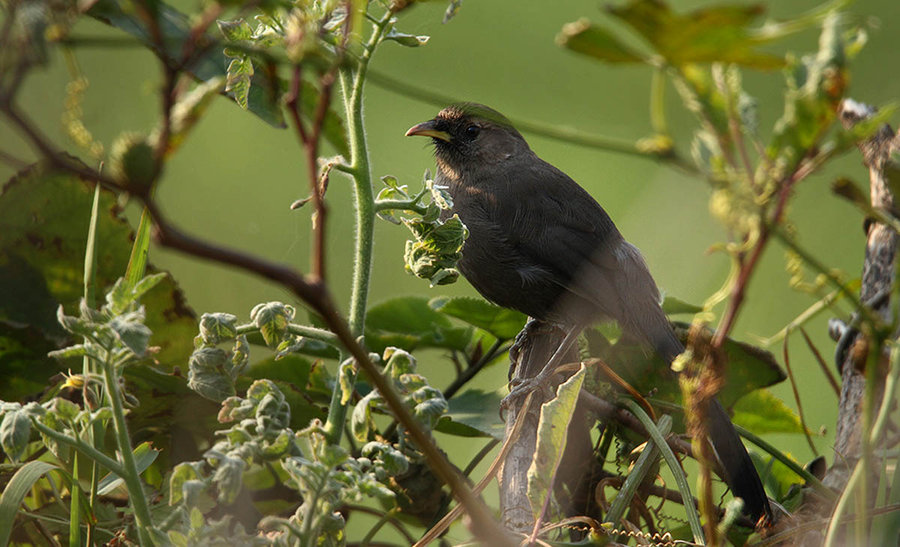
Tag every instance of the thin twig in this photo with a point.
(793, 381)
(826, 370)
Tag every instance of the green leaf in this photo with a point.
(408, 40)
(209, 374)
(409, 322)
(762, 412)
(235, 30)
(15, 430)
(131, 331)
(239, 75)
(474, 413)
(144, 455)
(503, 323)
(217, 327)
(674, 306)
(272, 321)
(176, 28)
(717, 34)
(583, 37)
(553, 428)
(14, 493)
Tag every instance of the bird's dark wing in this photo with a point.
(556, 226)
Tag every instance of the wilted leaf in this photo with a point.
(15, 430)
(553, 428)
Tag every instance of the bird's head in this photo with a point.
(469, 135)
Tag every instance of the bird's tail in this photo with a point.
(738, 468)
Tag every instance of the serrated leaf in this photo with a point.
(235, 30)
(208, 374)
(272, 320)
(131, 332)
(503, 323)
(553, 428)
(594, 41)
(239, 74)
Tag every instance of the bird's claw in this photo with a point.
(521, 387)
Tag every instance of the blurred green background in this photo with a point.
(234, 179)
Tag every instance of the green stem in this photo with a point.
(82, 447)
(129, 471)
(674, 466)
(360, 170)
(314, 333)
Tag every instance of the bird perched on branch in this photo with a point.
(540, 244)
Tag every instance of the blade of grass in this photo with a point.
(15, 492)
(674, 466)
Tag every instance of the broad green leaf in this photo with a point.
(594, 41)
(503, 323)
(15, 491)
(761, 412)
(553, 428)
(46, 217)
(716, 34)
(674, 306)
(144, 455)
(474, 413)
(409, 322)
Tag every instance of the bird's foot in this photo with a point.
(521, 387)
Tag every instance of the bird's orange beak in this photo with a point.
(428, 129)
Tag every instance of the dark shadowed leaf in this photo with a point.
(409, 322)
(501, 322)
(474, 413)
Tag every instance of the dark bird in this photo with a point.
(540, 244)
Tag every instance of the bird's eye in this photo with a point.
(472, 131)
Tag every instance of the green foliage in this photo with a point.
(274, 455)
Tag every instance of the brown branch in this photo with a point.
(877, 281)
